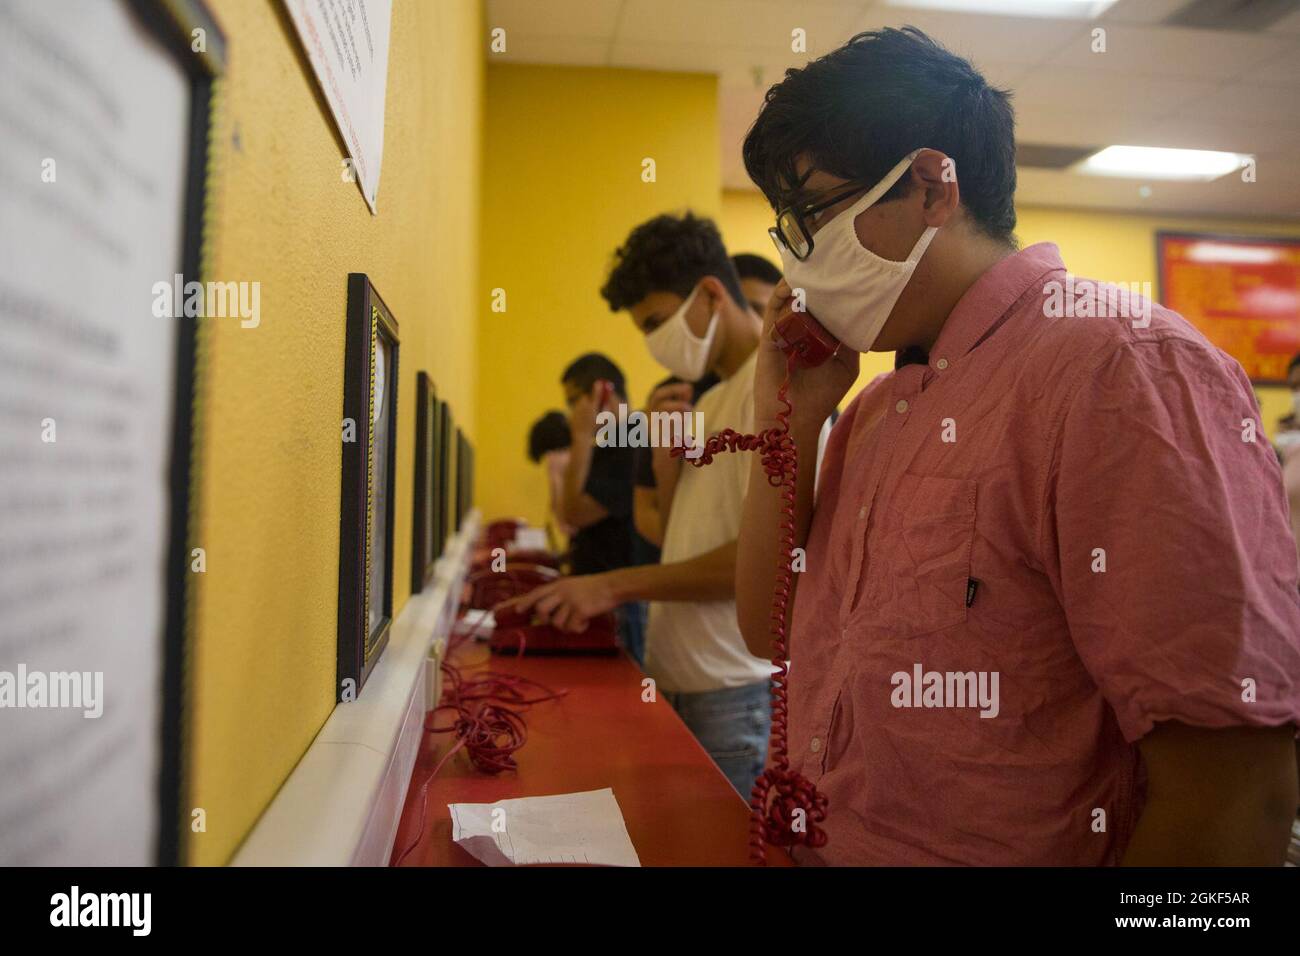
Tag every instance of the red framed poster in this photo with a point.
(1242, 292)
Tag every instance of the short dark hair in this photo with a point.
(1295, 360)
(858, 111)
(586, 370)
(750, 266)
(549, 433)
(669, 254)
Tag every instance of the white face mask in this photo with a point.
(847, 288)
(675, 346)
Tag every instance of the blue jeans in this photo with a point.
(732, 724)
(631, 619)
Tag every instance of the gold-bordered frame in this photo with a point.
(369, 321)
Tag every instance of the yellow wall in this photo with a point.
(266, 608)
(1111, 247)
(562, 186)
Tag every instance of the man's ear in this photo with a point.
(937, 174)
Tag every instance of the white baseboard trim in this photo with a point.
(341, 804)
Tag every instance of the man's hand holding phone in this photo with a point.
(582, 414)
(674, 397)
(814, 392)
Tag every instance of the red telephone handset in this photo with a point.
(803, 338)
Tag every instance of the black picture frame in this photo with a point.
(464, 478)
(365, 605)
(1163, 236)
(426, 543)
(446, 456)
(174, 24)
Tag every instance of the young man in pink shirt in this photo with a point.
(1049, 613)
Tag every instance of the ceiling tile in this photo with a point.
(554, 18)
(1141, 11)
(1226, 197)
(1172, 51)
(568, 51)
(1195, 131)
(1289, 25)
(1251, 103)
(982, 37)
(1038, 124)
(1070, 89)
(686, 57)
(1282, 70)
(763, 26)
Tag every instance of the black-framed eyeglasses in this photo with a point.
(792, 230)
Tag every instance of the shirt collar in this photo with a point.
(990, 298)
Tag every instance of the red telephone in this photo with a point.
(785, 807)
(487, 588)
(803, 338)
(515, 633)
(501, 532)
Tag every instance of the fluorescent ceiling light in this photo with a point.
(1067, 9)
(1156, 162)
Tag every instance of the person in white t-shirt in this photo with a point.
(674, 278)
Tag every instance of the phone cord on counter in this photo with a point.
(785, 807)
(489, 723)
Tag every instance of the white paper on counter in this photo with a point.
(564, 828)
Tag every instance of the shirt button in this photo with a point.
(902, 405)
(816, 744)
(862, 512)
(941, 364)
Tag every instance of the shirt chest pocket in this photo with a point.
(919, 557)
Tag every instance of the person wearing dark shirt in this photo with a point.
(596, 493)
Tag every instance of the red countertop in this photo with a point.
(679, 808)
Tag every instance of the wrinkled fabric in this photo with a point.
(1086, 508)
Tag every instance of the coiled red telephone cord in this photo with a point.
(488, 723)
(780, 793)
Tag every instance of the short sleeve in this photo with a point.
(1165, 534)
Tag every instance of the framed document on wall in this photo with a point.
(426, 546)
(446, 456)
(106, 113)
(366, 508)
(1242, 292)
(464, 478)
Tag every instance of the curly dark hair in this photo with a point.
(859, 110)
(669, 254)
